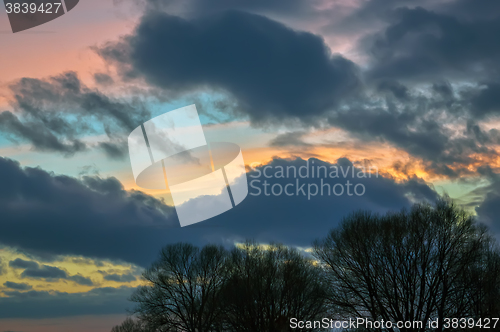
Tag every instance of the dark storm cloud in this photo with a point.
(488, 209)
(46, 214)
(437, 125)
(120, 277)
(19, 263)
(44, 272)
(114, 150)
(297, 220)
(297, 78)
(290, 220)
(272, 70)
(444, 89)
(486, 100)
(94, 217)
(42, 138)
(81, 280)
(428, 140)
(34, 270)
(469, 9)
(408, 43)
(397, 89)
(52, 273)
(434, 43)
(42, 304)
(366, 17)
(17, 286)
(423, 44)
(53, 114)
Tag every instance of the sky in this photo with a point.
(401, 97)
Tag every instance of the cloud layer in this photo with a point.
(271, 70)
(47, 214)
(89, 216)
(54, 114)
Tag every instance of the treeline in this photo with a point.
(432, 262)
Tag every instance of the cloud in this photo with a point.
(274, 72)
(33, 270)
(117, 230)
(17, 286)
(44, 213)
(290, 138)
(19, 263)
(433, 70)
(44, 272)
(270, 214)
(486, 100)
(47, 214)
(468, 9)
(434, 124)
(81, 280)
(103, 79)
(298, 79)
(398, 90)
(52, 273)
(488, 209)
(424, 44)
(42, 138)
(42, 304)
(53, 114)
(120, 277)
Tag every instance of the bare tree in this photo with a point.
(131, 325)
(183, 289)
(270, 285)
(410, 266)
(483, 280)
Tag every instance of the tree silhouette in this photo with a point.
(183, 290)
(429, 263)
(269, 286)
(433, 262)
(131, 325)
(251, 288)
